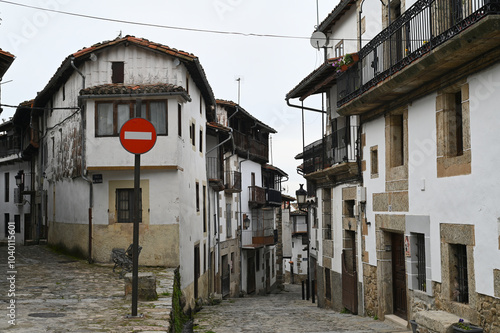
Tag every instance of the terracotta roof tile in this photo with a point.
(234, 105)
(138, 41)
(120, 89)
(7, 54)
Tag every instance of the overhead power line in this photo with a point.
(152, 24)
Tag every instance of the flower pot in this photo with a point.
(473, 329)
(355, 57)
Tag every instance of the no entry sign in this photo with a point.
(138, 136)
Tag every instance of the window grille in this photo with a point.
(461, 280)
(421, 275)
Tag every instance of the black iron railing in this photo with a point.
(421, 266)
(338, 147)
(273, 197)
(423, 27)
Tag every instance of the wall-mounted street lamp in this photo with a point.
(301, 195)
(302, 202)
(20, 179)
(246, 222)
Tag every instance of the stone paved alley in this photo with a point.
(56, 293)
(285, 312)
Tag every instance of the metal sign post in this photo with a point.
(137, 136)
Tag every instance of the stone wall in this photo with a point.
(371, 291)
(485, 314)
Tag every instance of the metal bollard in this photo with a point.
(307, 289)
(303, 291)
(312, 291)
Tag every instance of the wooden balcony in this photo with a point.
(256, 196)
(248, 146)
(233, 182)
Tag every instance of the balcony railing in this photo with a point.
(256, 196)
(420, 29)
(9, 145)
(233, 182)
(257, 149)
(340, 146)
(213, 168)
(273, 197)
(262, 227)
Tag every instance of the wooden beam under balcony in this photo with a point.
(263, 240)
(335, 173)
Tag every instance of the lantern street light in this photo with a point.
(246, 222)
(20, 180)
(301, 195)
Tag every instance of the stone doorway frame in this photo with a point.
(386, 225)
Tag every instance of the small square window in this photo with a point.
(125, 205)
(374, 161)
(118, 72)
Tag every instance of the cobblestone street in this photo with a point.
(285, 312)
(56, 293)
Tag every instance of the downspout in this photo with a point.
(241, 227)
(209, 224)
(303, 107)
(84, 177)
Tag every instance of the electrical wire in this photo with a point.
(154, 25)
(184, 28)
(38, 107)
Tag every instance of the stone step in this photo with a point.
(396, 320)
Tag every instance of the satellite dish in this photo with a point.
(318, 40)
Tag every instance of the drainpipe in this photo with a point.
(303, 107)
(209, 224)
(230, 137)
(84, 177)
(241, 226)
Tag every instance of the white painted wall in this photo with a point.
(468, 199)
(172, 192)
(375, 136)
(9, 207)
(345, 29)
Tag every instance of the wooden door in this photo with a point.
(349, 273)
(196, 269)
(251, 272)
(226, 277)
(399, 276)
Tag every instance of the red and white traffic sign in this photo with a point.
(138, 136)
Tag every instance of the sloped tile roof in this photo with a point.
(120, 89)
(335, 15)
(234, 105)
(189, 60)
(319, 80)
(6, 60)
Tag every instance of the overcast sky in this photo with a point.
(268, 67)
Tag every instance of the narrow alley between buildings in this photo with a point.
(284, 312)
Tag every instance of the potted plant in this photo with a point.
(342, 64)
(462, 326)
